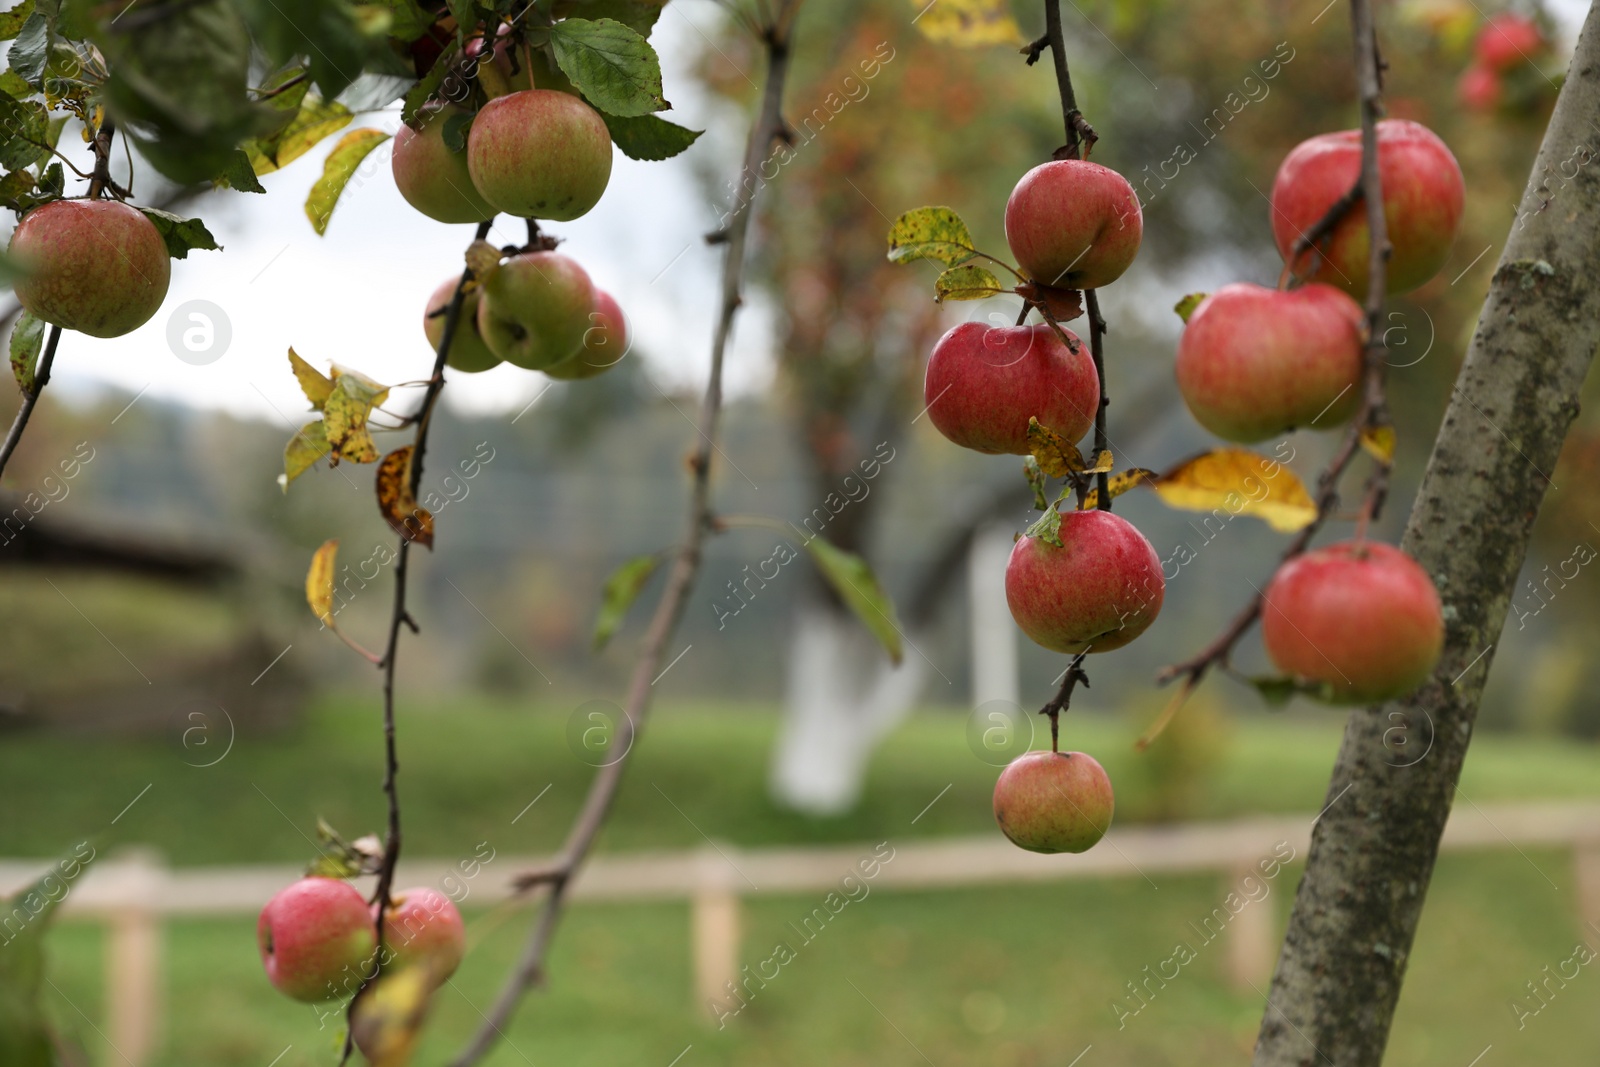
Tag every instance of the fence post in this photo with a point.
(1586, 866)
(1249, 943)
(714, 930)
(134, 976)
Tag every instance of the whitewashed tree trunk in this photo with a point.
(843, 696)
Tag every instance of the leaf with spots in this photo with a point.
(970, 282)
(1119, 484)
(337, 170)
(397, 502)
(967, 23)
(1056, 456)
(27, 339)
(345, 416)
(931, 233)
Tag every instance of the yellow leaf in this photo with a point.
(1379, 443)
(303, 450)
(345, 416)
(1119, 484)
(483, 259)
(313, 382)
(967, 23)
(1102, 463)
(398, 504)
(1239, 482)
(1055, 455)
(319, 582)
(386, 1016)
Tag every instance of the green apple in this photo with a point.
(540, 154)
(431, 177)
(467, 352)
(535, 309)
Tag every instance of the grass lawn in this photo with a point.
(1021, 975)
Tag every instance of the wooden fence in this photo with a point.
(133, 893)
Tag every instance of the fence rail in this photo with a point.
(133, 892)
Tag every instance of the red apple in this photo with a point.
(95, 266)
(431, 177)
(423, 926)
(605, 342)
(1361, 616)
(535, 309)
(1255, 363)
(1101, 589)
(1074, 224)
(1053, 801)
(1423, 197)
(1479, 89)
(540, 154)
(1509, 40)
(316, 937)
(468, 353)
(984, 382)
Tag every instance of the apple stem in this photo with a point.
(1062, 701)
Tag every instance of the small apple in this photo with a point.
(535, 309)
(95, 266)
(1509, 40)
(422, 926)
(541, 154)
(1073, 224)
(468, 353)
(1255, 363)
(1361, 616)
(1480, 89)
(605, 342)
(1053, 801)
(1423, 198)
(1101, 589)
(316, 938)
(431, 177)
(984, 382)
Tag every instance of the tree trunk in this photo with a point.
(1372, 853)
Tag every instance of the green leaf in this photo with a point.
(328, 35)
(30, 49)
(15, 85)
(640, 15)
(1046, 528)
(407, 21)
(11, 21)
(966, 283)
(457, 125)
(613, 66)
(337, 170)
(25, 1031)
(852, 578)
(1277, 690)
(16, 190)
(931, 233)
(27, 338)
(622, 588)
(303, 451)
(24, 133)
(238, 174)
(1036, 482)
(420, 93)
(649, 137)
(1186, 306)
(181, 234)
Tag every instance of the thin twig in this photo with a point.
(1063, 698)
(768, 127)
(1374, 411)
(401, 617)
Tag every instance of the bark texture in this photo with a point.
(1355, 915)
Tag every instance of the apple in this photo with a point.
(1480, 89)
(468, 353)
(95, 266)
(1053, 801)
(535, 309)
(1361, 616)
(431, 177)
(1423, 198)
(1255, 363)
(1101, 589)
(422, 926)
(316, 938)
(541, 154)
(605, 342)
(984, 382)
(1074, 224)
(1509, 40)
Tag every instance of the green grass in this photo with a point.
(1016, 975)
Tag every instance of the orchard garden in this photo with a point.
(794, 531)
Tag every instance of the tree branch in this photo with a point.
(1373, 849)
(401, 616)
(768, 127)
